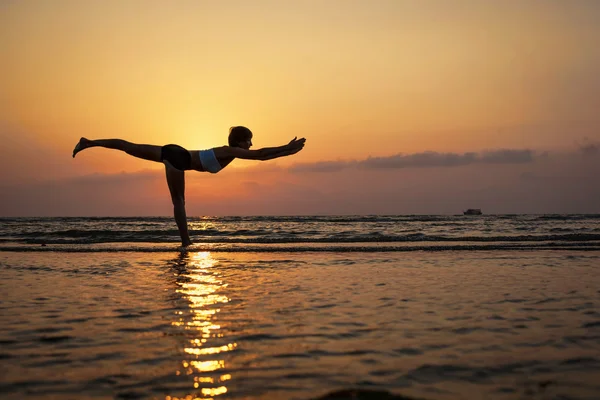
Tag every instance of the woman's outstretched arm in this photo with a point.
(176, 182)
(266, 153)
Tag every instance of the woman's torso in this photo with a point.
(197, 161)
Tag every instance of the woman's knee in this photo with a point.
(178, 201)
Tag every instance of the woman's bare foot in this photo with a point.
(184, 246)
(82, 145)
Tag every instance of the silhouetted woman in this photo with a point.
(177, 160)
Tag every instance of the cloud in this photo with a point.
(434, 159)
(28, 157)
(120, 178)
(322, 166)
(253, 167)
(554, 184)
(101, 194)
(426, 159)
(589, 148)
(506, 157)
(500, 181)
(422, 160)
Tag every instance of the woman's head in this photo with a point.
(240, 136)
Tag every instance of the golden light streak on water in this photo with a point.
(206, 312)
(203, 379)
(188, 397)
(203, 257)
(200, 286)
(214, 391)
(208, 366)
(205, 300)
(211, 350)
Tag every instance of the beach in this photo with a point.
(425, 324)
(300, 200)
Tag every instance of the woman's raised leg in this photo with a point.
(143, 151)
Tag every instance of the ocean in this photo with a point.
(428, 307)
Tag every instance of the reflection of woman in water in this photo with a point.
(177, 160)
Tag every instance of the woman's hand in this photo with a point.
(296, 144)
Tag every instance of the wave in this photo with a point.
(317, 231)
(262, 236)
(570, 217)
(204, 247)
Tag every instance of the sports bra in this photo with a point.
(209, 161)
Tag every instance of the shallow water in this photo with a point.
(436, 325)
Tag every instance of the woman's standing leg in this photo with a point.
(143, 151)
(176, 182)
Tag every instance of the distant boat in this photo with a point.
(472, 211)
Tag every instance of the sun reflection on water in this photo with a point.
(200, 285)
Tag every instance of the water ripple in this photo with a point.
(219, 325)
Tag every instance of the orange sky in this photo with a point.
(358, 79)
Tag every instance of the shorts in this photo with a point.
(177, 156)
